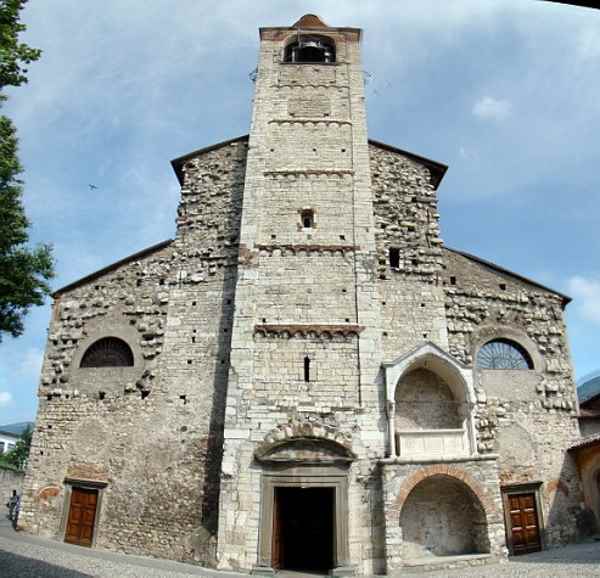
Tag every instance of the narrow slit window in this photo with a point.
(308, 218)
(306, 368)
(394, 257)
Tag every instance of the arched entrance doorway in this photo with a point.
(442, 517)
(304, 503)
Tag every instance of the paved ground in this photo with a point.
(24, 556)
(568, 562)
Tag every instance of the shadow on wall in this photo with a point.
(15, 565)
(568, 520)
(214, 450)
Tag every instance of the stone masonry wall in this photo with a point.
(526, 416)
(402, 482)
(424, 401)
(152, 433)
(304, 291)
(407, 219)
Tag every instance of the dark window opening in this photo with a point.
(503, 286)
(101, 395)
(394, 258)
(503, 354)
(308, 218)
(452, 280)
(108, 352)
(183, 398)
(306, 369)
(144, 394)
(310, 49)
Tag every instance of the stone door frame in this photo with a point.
(330, 476)
(71, 483)
(524, 488)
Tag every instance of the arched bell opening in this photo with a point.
(440, 517)
(310, 49)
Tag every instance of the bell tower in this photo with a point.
(306, 330)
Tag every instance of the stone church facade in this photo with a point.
(305, 376)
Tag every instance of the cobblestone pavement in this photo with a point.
(568, 562)
(25, 556)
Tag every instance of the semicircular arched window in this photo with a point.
(108, 352)
(310, 49)
(503, 354)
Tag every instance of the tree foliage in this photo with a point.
(17, 457)
(24, 270)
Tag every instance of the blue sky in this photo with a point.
(504, 92)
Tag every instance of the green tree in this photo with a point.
(24, 270)
(17, 457)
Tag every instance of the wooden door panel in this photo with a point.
(82, 515)
(524, 530)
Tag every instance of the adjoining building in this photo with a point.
(305, 377)
(586, 451)
(8, 441)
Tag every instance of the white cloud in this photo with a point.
(492, 108)
(586, 293)
(5, 398)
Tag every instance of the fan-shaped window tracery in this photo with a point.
(108, 352)
(503, 354)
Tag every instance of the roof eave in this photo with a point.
(437, 170)
(565, 298)
(317, 30)
(178, 163)
(111, 267)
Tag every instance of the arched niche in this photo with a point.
(424, 401)
(421, 388)
(442, 516)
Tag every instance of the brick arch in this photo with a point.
(450, 472)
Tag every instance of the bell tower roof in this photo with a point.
(310, 21)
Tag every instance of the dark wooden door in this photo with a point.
(525, 530)
(82, 514)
